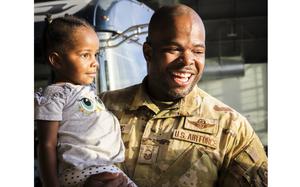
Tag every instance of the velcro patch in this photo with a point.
(125, 128)
(195, 137)
(148, 154)
(208, 126)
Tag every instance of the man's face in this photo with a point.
(176, 58)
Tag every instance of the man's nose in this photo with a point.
(187, 57)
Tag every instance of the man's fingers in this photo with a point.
(121, 181)
(131, 185)
(106, 179)
(105, 176)
(124, 181)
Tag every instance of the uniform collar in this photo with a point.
(142, 99)
(189, 105)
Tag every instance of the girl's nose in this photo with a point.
(95, 62)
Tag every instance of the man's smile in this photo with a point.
(181, 78)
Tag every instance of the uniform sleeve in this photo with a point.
(247, 161)
(49, 104)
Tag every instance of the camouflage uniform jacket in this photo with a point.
(199, 141)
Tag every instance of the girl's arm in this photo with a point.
(47, 135)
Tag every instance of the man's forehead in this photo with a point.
(170, 24)
(183, 23)
(173, 32)
(175, 42)
(169, 15)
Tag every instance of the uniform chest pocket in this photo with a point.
(193, 167)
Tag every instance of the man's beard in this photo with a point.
(177, 94)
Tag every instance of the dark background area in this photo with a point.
(233, 27)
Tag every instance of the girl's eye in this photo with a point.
(85, 55)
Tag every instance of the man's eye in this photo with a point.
(96, 55)
(172, 50)
(198, 52)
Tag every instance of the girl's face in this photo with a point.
(79, 61)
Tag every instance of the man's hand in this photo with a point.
(106, 179)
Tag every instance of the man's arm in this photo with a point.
(248, 163)
(47, 135)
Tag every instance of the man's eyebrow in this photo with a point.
(168, 42)
(202, 45)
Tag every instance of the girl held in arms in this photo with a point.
(78, 137)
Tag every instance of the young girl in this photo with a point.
(75, 131)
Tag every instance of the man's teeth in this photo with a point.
(182, 75)
(181, 79)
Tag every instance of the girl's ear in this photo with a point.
(55, 60)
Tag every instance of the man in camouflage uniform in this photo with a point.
(175, 134)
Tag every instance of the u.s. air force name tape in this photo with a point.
(195, 137)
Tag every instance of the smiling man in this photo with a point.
(175, 53)
(175, 134)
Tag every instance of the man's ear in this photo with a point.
(54, 60)
(147, 50)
